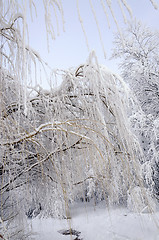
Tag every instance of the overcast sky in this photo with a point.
(70, 49)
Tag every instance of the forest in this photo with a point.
(92, 139)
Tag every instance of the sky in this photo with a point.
(69, 49)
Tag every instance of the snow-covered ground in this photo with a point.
(99, 223)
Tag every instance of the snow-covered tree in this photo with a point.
(138, 50)
(74, 142)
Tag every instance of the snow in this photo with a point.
(99, 223)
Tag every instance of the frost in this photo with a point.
(140, 201)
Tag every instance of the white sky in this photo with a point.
(69, 49)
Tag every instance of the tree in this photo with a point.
(138, 48)
(73, 141)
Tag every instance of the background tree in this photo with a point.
(138, 50)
